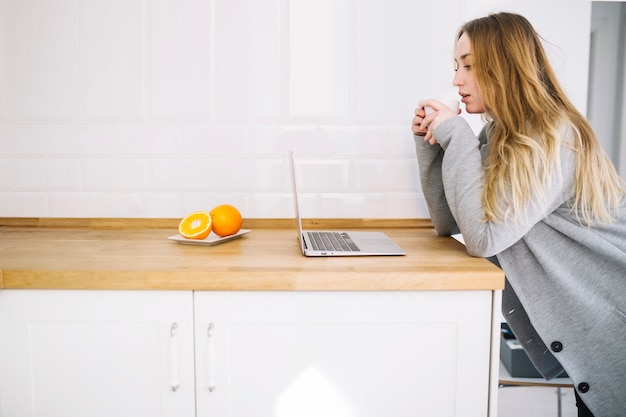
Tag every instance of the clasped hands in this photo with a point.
(429, 115)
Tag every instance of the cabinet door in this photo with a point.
(96, 353)
(365, 354)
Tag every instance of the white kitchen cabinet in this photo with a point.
(96, 353)
(365, 354)
(262, 354)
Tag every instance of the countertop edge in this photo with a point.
(172, 223)
(201, 281)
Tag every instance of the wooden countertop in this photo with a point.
(135, 254)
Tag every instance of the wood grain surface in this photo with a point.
(136, 254)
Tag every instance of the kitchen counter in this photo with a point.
(235, 316)
(135, 254)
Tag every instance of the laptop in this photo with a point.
(339, 243)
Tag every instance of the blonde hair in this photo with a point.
(528, 109)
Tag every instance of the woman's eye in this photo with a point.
(457, 67)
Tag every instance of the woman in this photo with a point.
(535, 194)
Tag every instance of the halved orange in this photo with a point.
(226, 220)
(197, 225)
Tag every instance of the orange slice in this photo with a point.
(197, 225)
(226, 220)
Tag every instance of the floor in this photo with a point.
(535, 402)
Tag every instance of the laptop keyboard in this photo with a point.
(336, 241)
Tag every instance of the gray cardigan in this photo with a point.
(565, 297)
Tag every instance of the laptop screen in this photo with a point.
(296, 209)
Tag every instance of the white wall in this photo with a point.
(607, 86)
(155, 108)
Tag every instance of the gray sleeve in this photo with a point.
(463, 181)
(429, 159)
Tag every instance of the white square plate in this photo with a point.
(210, 240)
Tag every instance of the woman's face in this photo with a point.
(464, 77)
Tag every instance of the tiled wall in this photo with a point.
(156, 108)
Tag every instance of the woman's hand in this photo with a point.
(428, 116)
(419, 127)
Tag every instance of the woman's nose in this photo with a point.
(457, 80)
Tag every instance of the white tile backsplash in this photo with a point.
(215, 141)
(249, 61)
(161, 204)
(324, 175)
(135, 108)
(179, 68)
(403, 53)
(7, 175)
(406, 206)
(250, 175)
(321, 38)
(368, 205)
(114, 175)
(43, 60)
(21, 141)
(272, 205)
(206, 201)
(385, 176)
(96, 204)
(111, 55)
(4, 94)
(48, 175)
(183, 174)
(146, 141)
(23, 204)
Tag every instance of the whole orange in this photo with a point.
(226, 220)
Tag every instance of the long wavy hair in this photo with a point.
(528, 110)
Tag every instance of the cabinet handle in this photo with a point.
(210, 358)
(174, 384)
